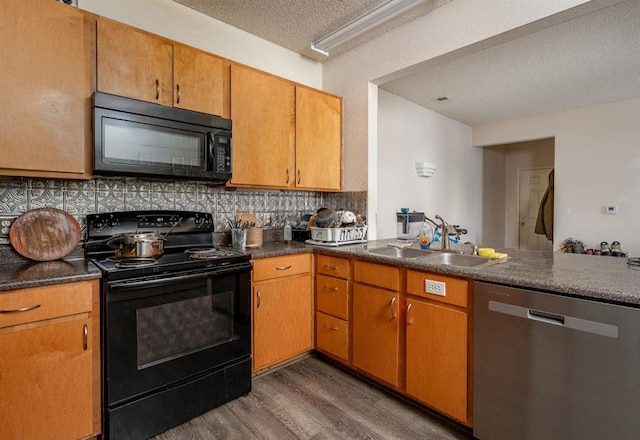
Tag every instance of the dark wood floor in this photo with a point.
(314, 400)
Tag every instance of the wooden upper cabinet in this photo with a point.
(318, 140)
(201, 81)
(263, 114)
(46, 87)
(144, 66)
(134, 63)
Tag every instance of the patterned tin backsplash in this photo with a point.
(272, 208)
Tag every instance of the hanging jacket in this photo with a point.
(544, 223)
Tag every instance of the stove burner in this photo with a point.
(210, 253)
(126, 263)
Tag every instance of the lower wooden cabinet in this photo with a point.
(376, 332)
(436, 352)
(282, 309)
(332, 335)
(49, 362)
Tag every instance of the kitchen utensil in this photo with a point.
(140, 244)
(348, 218)
(45, 234)
(137, 245)
(324, 216)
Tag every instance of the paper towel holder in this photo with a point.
(425, 169)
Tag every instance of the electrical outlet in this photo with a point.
(435, 287)
(5, 224)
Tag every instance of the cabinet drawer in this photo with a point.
(333, 266)
(39, 303)
(332, 296)
(278, 267)
(456, 290)
(387, 277)
(332, 335)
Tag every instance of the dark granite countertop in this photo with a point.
(19, 273)
(606, 279)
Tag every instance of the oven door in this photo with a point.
(161, 331)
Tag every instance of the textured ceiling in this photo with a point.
(296, 24)
(587, 60)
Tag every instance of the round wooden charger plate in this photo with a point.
(45, 234)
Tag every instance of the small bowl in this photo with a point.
(404, 210)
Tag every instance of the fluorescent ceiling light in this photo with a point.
(362, 24)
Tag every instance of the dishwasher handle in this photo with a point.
(549, 318)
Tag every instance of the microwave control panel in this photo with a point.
(222, 153)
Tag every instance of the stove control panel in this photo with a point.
(109, 224)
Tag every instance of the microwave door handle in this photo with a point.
(209, 145)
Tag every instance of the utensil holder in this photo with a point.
(239, 238)
(254, 237)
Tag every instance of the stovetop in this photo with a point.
(188, 244)
(173, 263)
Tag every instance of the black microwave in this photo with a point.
(143, 139)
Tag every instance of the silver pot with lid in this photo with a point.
(137, 245)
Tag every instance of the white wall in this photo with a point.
(179, 23)
(408, 133)
(597, 163)
(455, 26)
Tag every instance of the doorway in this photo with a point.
(501, 166)
(532, 184)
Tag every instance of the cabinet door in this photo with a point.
(263, 113)
(201, 81)
(282, 320)
(46, 381)
(318, 140)
(134, 63)
(47, 81)
(437, 357)
(376, 331)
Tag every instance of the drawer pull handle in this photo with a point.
(23, 309)
(331, 327)
(287, 182)
(299, 177)
(328, 287)
(283, 267)
(409, 320)
(178, 93)
(331, 267)
(259, 297)
(394, 315)
(157, 89)
(85, 337)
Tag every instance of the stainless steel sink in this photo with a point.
(399, 252)
(460, 260)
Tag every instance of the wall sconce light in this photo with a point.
(362, 24)
(425, 169)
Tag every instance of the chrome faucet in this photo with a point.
(445, 233)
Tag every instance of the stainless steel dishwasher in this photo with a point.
(554, 367)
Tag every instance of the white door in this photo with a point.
(531, 187)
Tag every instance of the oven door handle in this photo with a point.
(132, 285)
